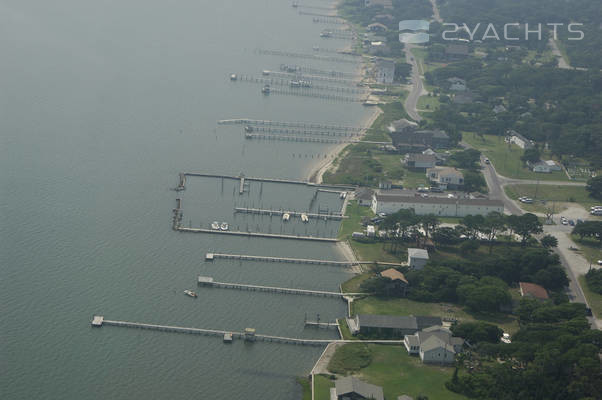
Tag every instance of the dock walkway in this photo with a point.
(292, 124)
(256, 234)
(99, 321)
(247, 210)
(208, 281)
(242, 257)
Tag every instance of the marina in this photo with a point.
(208, 281)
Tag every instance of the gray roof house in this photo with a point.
(417, 258)
(350, 388)
(385, 71)
(434, 344)
(390, 325)
(420, 160)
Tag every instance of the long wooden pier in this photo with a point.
(273, 180)
(291, 138)
(256, 234)
(303, 92)
(248, 210)
(208, 281)
(300, 131)
(243, 257)
(308, 56)
(317, 71)
(292, 124)
(286, 82)
(300, 76)
(249, 335)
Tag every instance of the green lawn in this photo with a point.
(506, 158)
(345, 332)
(398, 373)
(355, 212)
(391, 112)
(375, 251)
(428, 103)
(322, 385)
(349, 358)
(399, 306)
(550, 194)
(593, 299)
(306, 386)
(353, 285)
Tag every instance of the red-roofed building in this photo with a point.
(533, 290)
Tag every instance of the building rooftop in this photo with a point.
(418, 253)
(349, 384)
(413, 197)
(533, 290)
(401, 124)
(364, 193)
(445, 171)
(394, 275)
(421, 158)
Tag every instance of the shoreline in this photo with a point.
(317, 169)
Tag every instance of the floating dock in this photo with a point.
(248, 335)
(208, 281)
(247, 210)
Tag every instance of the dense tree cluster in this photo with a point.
(477, 332)
(594, 187)
(590, 229)
(594, 280)
(554, 355)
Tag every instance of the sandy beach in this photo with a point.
(318, 168)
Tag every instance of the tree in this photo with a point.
(467, 159)
(477, 331)
(494, 223)
(525, 225)
(594, 187)
(549, 241)
(531, 155)
(469, 246)
(474, 181)
(429, 223)
(446, 236)
(590, 229)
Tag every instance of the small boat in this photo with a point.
(343, 195)
(215, 225)
(304, 218)
(190, 293)
(224, 226)
(248, 129)
(265, 89)
(265, 72)
(233, 77)
(286, 217)
(295, 84)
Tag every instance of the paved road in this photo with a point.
(574, 264)
(417, 87)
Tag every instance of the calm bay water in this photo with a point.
(102, 103)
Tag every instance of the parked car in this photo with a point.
(487, 161)
(571, 222)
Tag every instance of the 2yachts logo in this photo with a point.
(417, 31)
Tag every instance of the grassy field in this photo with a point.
(391, 112)
(506, 158)
(306, 385)
(429, 103)
(399, 306)
(349, 358)
(590, 248)
(322, 385)
(353, 285)
(399, 373)
(355, 212)
(593, 299)
(375, 251)
(550, 194)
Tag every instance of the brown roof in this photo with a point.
(533, 290)
(394, 275)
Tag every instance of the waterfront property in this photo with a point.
(363, 196)
(397, 284)
(411, 140)
(390, 325)
(434, 345)
(385, 71)
(351, 388)
(393, 201)
(420, 160)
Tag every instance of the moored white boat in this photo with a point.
(190, 293)
(224, 226)
(215, 225)
(286, 217)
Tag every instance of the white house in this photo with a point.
(434, 345)
(417, 258)
(519, 140)
(445, 177)
(390, 203)
(370, 231)
(546, 166)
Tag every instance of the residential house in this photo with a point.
(546, 166)
(390, 325)
(377, 27)
(445, 177)
(513, 136)
(397, 284)
(465, 97)
(390, 203)
(456, 51)
(402, 126)
(413, 141)
(457, 84)
(499, 109)
(420, 160)
(533, 291)
(351, 388)
(363, 196)
(385, 71)
(386, 4)
(435, 344)
(417, 258)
